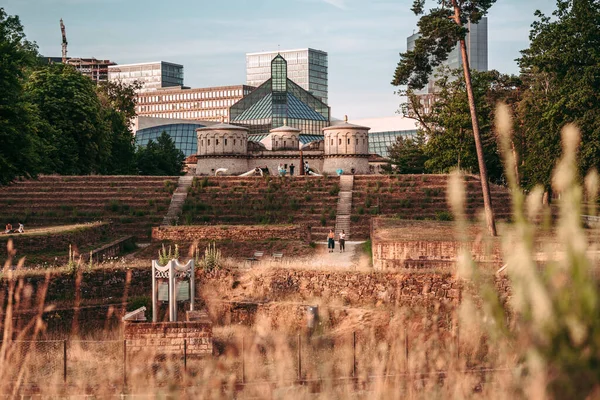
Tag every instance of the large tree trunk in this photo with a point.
(485, 186)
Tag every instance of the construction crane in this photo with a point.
(64, 41)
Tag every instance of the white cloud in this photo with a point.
(341, 4)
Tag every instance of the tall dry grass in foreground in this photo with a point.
(545, 344)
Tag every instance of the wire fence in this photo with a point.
(111, 364)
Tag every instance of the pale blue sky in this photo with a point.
(210, 38)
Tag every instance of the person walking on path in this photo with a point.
(331, 241)
(292, 166)
(342, 241)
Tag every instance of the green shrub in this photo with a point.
(136, 302)
(361, 210)
(444, 216)
(334, 190)
(354, 218)
(323, 220)
(374, 210)
(332, 214)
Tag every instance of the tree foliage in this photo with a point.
(160, 158)
(447, 127)
(561, 71)
(118, 109)
(407, 155)
(438, 35)
(19, 144)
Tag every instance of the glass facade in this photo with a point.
(279, 101)
(184, 136)
(304, 139)
(379, 142)
(306, 67)
(152, 75)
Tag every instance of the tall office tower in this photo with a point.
(477, 50)
(306, 67)
(152, 75)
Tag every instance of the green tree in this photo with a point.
(561, 70)
(76, 136)
(160, 158)
(439, 31)
(450, 140)
(19, 144)
(407, 155)
(118, 102)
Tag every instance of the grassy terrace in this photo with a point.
(263, 200)
(420, 197)
(133, 203)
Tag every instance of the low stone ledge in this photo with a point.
(240, 233)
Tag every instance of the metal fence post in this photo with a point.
(185, 355)
(124, 363)
(243, 361)
(406, 347)
(65, 361)
(354, 354)
(299, 359)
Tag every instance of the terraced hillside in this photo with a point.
(263, 200)
(133, 203)
(416, 197)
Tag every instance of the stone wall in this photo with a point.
(169, 337)
(332, 163)
(273, 159)
(427, 244)
(241, 233)
(207, 165)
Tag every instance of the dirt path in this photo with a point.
(353, 258)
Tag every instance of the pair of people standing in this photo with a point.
(331, 241)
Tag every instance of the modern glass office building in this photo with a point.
(278, 102)
(152, 75)
(306, 67)
(184, 136)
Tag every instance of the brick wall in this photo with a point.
(168, 337)
(231, 232)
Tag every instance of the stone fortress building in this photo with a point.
(298, 126)
(223, 146)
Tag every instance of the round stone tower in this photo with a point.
(346, 148)
(222, 146)
(285, 138)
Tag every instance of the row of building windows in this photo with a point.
(193, 96)
(187, 106)
(217, 142)
(190, 114)
(364, 141)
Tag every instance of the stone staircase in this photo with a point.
(177, 200)
(344, 205)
